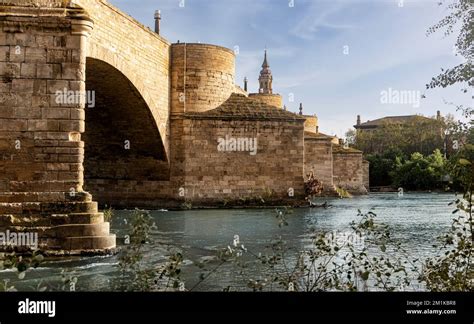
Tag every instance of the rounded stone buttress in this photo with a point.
(202, 77)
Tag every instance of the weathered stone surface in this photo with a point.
(42, 176)
(202, 77)
(318, 159)
(271, 99)
(88, 243)
(78, 230)
(349, 170)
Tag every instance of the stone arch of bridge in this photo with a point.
(121, 138)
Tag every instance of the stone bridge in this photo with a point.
(76, 76)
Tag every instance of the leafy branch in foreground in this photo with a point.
(453, 269)
(332, 262)
(134, 275)
(461, 12)
(20, 264)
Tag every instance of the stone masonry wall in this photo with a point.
(201, 175)
(349, 172)
(202, 76)
(271, 99)
(311, 124)
(212, 174)
(43, 52)
(35, 3)
(319, 159)
(365, 176)
(40, 139)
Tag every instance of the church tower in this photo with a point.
(265, 79)
(265, 90)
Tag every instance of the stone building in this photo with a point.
(166, 126)
(410, 133)
(395, 120)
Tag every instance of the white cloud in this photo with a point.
(320, 16)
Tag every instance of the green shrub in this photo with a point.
(419, 172)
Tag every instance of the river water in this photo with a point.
(416, 219)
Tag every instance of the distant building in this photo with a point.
(395, 120)
(408, 134)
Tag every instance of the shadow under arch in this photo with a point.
(122, 140)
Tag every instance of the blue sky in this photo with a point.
(387, 48)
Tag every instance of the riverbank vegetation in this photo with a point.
(415, 171)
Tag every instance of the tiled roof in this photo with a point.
(394, 120)
(239, 106)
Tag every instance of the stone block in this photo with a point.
(10, 70)
(73, 71)
(4, 53)
(45, 71)
(72, 158)
(26, 113)
(45, 41)
(40, 101)
(39, 87)
(5, 87)
(60, 41)
(16, 125)
(51, 136)
(72, 125)
(35, 55)
(73, 41)
(56, 56)
(43, 125)
(89, 243)
(77, 114)
(77, 86)
(22, 85)
(28, 70)
(57, 85)
(17, 54)
(22, 39)
(56, 113)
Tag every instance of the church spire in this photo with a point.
(265, 62)
(265, 79)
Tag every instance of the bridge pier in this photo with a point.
(43, 54)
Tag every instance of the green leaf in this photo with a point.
(464, 162)
(365, 275)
